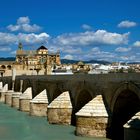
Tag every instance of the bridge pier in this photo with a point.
(1, 86)
(60, 110)
(132, 128)
(92, 119)
(24, 100)
(15, 99)
(8, 97)
(38, 105)
(16, 96)
(3, 92)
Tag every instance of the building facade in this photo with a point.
(36, 59)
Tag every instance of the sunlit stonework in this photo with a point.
(36, 59)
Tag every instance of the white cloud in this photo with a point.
(122, 49)
(126, 58)
(96, 54)
(137, 44)
(127, 24)
(13, 53)
(9, 39)
(30, 28)
(33, 39)
(100, 37)
(13, 27)
(23, 20)
(79, 46)
(23, 24)
(103, 55)
(69, 57)
(5, 49)
(71, 50)
(95, 50)
(86, 27)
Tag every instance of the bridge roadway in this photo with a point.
(120, 91)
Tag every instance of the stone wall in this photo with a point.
(91, 126)
(59, 116)
(24, 105)
(38, 109)
(60, 109)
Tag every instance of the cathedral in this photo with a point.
(36, 59)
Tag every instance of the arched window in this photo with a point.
(9, 67)
(3, 67)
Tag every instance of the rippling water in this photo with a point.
(16, 125)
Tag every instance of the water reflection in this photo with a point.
(16, 125)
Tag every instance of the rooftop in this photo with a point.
(42, 48)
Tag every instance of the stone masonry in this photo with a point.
(60, 110)
(39, 104)
(1, 85)
(3, 92)
(24, 100)
(15, 99)
(92, 119)
(8, 97)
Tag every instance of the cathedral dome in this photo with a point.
(42, 48)
(80, 63)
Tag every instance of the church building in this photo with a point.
(39, 58)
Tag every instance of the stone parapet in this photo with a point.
(92, 119)
(39, 104)
(24, 100)
(60, 110)
(132, 128)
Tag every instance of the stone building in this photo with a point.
(36, 59)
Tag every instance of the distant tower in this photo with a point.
(20, 55)
(20, 47)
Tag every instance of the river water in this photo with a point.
(17, 125)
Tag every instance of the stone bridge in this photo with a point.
(120, 92)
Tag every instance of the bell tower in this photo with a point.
(20, 47)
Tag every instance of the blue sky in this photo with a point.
(79, 29)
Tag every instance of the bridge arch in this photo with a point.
(124, 86)
(56, 93)
(83, 97)
(125, 103)
(3, 66)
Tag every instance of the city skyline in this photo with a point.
(80, 29)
